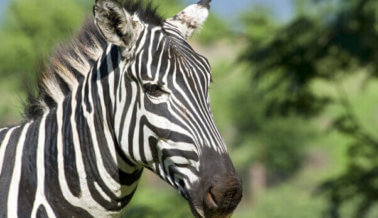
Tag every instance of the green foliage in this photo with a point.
(30, 30)
(280, 203)
(329, 47)
(277, 142)
(12, 97)
(213, 30)
(258, 25)
(311, 48)
(358, 183)
(148, 203)
(168, 8)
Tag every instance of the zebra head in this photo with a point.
(162, 117)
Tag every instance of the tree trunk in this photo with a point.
(257, 182)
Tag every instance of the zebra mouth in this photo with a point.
(218, 200)
(197, 211)
(194, 204)
(200, 211)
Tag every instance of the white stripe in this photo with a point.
(149, 59)
(3, 147)
(105, 176)
(110, 77)
(198, 114)
(15, 181)
(157, 76)
(101, 192)
(40, 198)
(120, 163)
(123, 136)
(142, 41)
(104, 108)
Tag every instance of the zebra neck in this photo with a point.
(110, 178)
(65, 166)
(99, 167)
(67, 162)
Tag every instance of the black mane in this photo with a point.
(146, 12)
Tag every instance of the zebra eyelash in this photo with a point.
(153, 89)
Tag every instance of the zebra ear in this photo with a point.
(115, 23)
(191, 18)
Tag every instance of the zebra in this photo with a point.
(127, 93)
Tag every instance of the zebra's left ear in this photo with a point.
(191, 18)
(115, 23)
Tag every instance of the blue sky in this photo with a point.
(2, 5)
(282, 9)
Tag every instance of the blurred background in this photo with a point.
(295, 95)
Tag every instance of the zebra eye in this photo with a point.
(153, 90)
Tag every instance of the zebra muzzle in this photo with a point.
(222, 197)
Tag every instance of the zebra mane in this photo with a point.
(71, 61)
(66, 69)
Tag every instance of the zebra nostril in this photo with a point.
(212, 203)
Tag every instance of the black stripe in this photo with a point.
(128, 103)
(70, 168)
(86, 95)
(2, 135)
(190, 155)
(115, 56)
(7, 170)
(41, 212)
(90, 165)
(53, 191)
(28, 180)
